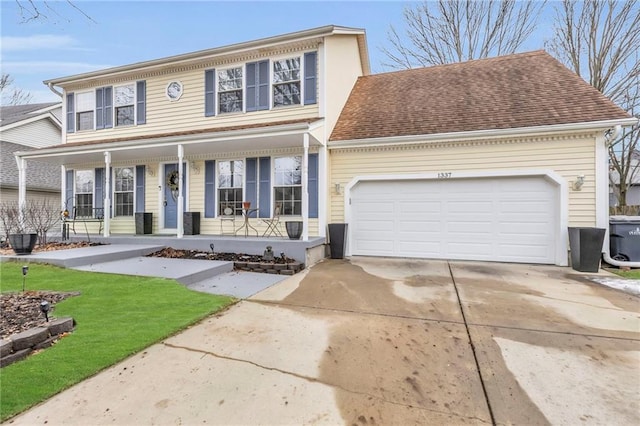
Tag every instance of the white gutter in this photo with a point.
(283, 130)
(606, 249)
(53, 89)
(481, 134)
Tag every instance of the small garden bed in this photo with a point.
(241, 262)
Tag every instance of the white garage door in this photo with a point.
(495, 219)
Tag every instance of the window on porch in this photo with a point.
(123, 191)
(288, 185)
(230, 177)
(84, 193)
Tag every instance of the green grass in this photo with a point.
(116, 317)
(634, 273)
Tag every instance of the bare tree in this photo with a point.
(32, 10)
(600, 41)
(42, 216)
(12, 95)
(454, 31)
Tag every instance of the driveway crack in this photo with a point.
(473, 347)
(315, 380)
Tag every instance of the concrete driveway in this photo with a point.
(386, 341)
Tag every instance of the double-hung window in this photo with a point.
(123, 187)
(288, 184)
(85, 102)
(230, 90)
(124, 104)
(286, 82)
(84, 193)
(230, 177)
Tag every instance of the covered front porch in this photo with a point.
(174, 177)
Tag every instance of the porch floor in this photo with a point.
(308, 252)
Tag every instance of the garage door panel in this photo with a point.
(509, 219)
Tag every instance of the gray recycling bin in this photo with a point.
(624, 239)
(337, 239)
(586, 248)
(144, 223)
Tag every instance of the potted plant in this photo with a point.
(21, 237)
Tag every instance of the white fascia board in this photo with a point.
(47, 115)
(207, 53)
(283, 130)
(482, 134)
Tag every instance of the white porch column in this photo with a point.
(305, 188)
(107, 195)
(22, 187)
(180, 194)
(323, 179)
(63, 186)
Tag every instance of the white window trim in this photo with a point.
(301, 79)
(113, 191)
(243, 69)
(113, 104)
(93, 187)
(77, 110)
(274, 185)
(216, 179)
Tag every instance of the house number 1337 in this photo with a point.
(444, 175)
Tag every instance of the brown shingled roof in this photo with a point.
(520, 90)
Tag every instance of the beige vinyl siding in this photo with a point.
(343, 67)
(569, 157)
(187, 113)
(38, 134)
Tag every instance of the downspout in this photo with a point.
(605, 253)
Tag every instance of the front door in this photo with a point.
(171, 195)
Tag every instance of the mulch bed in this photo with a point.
(20, 311)
(229, 257)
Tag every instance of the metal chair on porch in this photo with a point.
(228, 215)
(272, 223)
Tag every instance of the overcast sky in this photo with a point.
(125, 32)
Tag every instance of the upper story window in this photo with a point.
(124, 100)
(262, 85)
(100, 108)
(230, 90)
(85, 103)
(286, 82)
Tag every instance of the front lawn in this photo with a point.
(116, 317)
(634, 273)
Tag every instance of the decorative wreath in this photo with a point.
(172, 180)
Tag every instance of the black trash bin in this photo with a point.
(144, 223)
(337, 239)
(624, 239)
(191, 221)
(586, 248)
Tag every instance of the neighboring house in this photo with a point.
(476, 160)
(26, 128)
(633, 190)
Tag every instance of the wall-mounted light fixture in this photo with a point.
(577, 184)
(194, 168)
(338, 188)
(151, 171)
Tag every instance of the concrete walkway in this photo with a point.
(386, 341)
(209, 276)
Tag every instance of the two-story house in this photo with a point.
(485, 160)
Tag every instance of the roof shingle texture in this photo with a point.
(13, 113)
(515, 91)
(39, 175)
